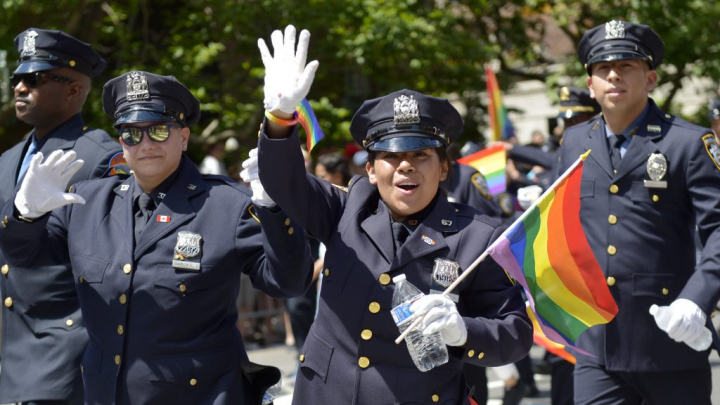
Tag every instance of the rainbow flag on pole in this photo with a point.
(306, 118)
(491, 163)
(547, 252)
(500, 124)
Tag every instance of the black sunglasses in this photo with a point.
(33, 79)
(132, 136)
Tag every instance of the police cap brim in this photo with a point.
(132, 117)
(34, 66)
(405, 143)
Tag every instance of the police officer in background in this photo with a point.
(395, 221)
(714, 116)
(43, 334)
(649, 180)
(156, 257)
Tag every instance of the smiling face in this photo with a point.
(622, 86)
(153, 162)
(407, 181)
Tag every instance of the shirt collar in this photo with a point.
(632, 128)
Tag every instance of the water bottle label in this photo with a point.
(401, 314)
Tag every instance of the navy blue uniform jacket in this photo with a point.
(643, 237)
(468, 186)
(43, 336)
(159, 334)
(350, 356)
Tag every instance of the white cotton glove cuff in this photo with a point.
(440, 314)
(250, 175)
(526, 196)
(687, 320)
(43, 188)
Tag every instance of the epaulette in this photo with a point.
(341, 188)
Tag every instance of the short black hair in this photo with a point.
(336, 163)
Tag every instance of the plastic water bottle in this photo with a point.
(272, 393)
(662, 318)
(426, 351)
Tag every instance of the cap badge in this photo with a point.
(614, 30)
(29, 43)
(564, 94)
(137, 87)
(406, 110)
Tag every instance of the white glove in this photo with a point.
(440, 315)
(43, 188)
(527, 195)
(287, 78)
(250, 175)
(687, 321)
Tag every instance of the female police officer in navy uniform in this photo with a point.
(156, 255)
(350, 356)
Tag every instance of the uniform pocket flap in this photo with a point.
(91, 269)
(201, 366)
(660, 285)
(191, 281)
(316, 355)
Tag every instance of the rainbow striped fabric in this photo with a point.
(491, 163)
(306, 118)
(500, 124)
(547, 252)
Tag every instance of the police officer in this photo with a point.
(44, 335)
(350, 355)
(714, 116)
(651, 177)
(156, 256)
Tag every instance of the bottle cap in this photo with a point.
(399, 278)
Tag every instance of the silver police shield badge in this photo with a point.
(29, 43)
(406, 110)
(137, 87)
(656, 169)
(187, 246)
(444, 273)
(614, 30)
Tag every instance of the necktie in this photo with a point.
(142, 215)
(32, 149)
(615, 142)
(400, 233)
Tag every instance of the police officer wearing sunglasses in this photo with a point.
(43, 331)
(157, 256)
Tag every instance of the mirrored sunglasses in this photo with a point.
(132, 136)
(34, 79)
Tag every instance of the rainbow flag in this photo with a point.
(306, 117)
(491, 163)
(547, 252)
(500, 124)
(541, 340)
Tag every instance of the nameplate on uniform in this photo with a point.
(655, 184)
(181, 264)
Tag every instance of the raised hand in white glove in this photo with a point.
(250, 175)
(44, 185)
(527, 195)
(440, 314)
(686, 322)
(287, 78)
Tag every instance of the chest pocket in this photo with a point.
(177, 285)
(87, 269)
(656, 196)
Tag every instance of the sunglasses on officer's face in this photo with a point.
(132, 136)
(32, 80)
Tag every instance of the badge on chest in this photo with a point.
(656, 169)
(444, 273)
(187, 251)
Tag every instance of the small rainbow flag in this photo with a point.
(491, 163)
(499, 121)
(547, 252)
(306, 117)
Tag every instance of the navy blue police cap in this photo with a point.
(618, 40)
(575, 101)
(42, 50)
(146, 97)
(714, 113)
(406, 121)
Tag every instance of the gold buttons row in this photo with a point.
(366, 334)
(5, 269)
(614, 190)
(384, 279)
(374, 307)
(471, 353)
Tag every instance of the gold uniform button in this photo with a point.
(481, 355)
(117, 360)
(80, 279)
(72, 63)
(302, 358)
(5, 269)
(471, 353)
(611, 281)
(668, 116)
(287, 221)
(182, 288)
(374, 307)
(363, 362)
(384, 279)
(121, 330)
(123, 299)
(612, 219)
(8, 302)
(291, 230)
(611, 250)
(614, 189)
(326, 272)
(82, 369)
(435, 398)
(655, 198)
(665, 291)
(69, 322)
(85, 128)
(193, 382)
(366, 334)
(127, 269)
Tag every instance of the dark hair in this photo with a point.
(441, 152)
(336, 163)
